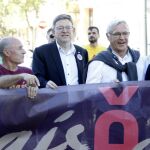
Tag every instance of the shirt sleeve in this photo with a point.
(94, 74)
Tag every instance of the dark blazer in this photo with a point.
(47, 64)
(147, 76)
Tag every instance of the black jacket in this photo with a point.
(47, 64)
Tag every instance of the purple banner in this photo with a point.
(83, 117)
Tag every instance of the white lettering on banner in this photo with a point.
(64, 116)
(46, 140)
(142, 145)
(72, 139)
(71, 136)
(20, 138)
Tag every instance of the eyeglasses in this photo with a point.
(61, 28)
(118, 34)
(51, 36)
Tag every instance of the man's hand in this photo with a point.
(51, 84)
(116, 81)
(32, 84)
(31, 80)
(32, 91)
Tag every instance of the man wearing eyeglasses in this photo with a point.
(61, 62)
(119, 62)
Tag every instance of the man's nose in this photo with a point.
(23, 51)
(121, 36)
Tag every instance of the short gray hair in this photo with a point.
(5, 42)
(113, 24)
(62, 17)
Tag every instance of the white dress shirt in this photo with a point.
(99, 72)
(69, 65)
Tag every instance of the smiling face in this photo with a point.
(64, 31)
(118, 38)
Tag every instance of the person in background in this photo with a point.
(147, 74)
(119, 62)
(0, 57)
(93, 47)
(60, 62)
(50, 36)
(0, 60)
(11, 74)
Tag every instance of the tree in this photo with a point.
(14, 12)
(30, 8)
(27, 7)
(4, 19)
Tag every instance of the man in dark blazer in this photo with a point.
(147, 75)
(61, 62)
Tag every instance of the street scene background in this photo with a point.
(30, 20)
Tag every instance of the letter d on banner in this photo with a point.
(101, 137)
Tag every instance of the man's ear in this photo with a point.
(53, 31)
(6, 52)
(107, 35)
(74, 31)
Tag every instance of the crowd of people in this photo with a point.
(61, 62)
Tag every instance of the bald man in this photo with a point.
(12, 75)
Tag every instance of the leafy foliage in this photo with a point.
(16, 11)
